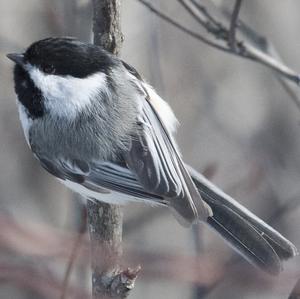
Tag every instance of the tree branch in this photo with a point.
(266, 46)
(182, 28)
(106, 25)
(295, 294)
(233, 25)
(218, 31)
(74, 253)
(25, 276)
(105, 227)
(105, 221)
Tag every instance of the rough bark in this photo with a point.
(105, 221)
(106, 25)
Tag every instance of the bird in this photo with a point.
(95, 124)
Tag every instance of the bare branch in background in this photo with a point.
(200, 290)
(188, 6)
(181, 27)
(47, 245)
(219, 32)
(74, 253)
(24, 275)
(234, 24)
(295, 294)
(266, 46)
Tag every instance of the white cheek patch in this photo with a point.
(67, 95)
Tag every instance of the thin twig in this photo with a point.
(295, 294)
(246, 50)
(40, 281)
(74, 253)
(183, 28)
(243, 49)
(71, 262)
(204, 11)
(266, 46)
(198, 17)
(233, 25)
(288, 89)
(199, 290)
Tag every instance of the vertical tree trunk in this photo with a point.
(105, 221)
(105, 228)
(106, 25)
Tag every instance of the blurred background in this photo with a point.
(238, 126)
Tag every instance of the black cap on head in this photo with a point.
(68, 56)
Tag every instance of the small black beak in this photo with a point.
(17, 58)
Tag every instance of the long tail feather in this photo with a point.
(258, 242)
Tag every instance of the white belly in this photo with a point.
(111, 197)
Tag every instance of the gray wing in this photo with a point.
(99, 177)
(154, 158)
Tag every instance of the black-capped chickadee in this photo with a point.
(92, 122)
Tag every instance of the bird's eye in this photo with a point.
(49, 68)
